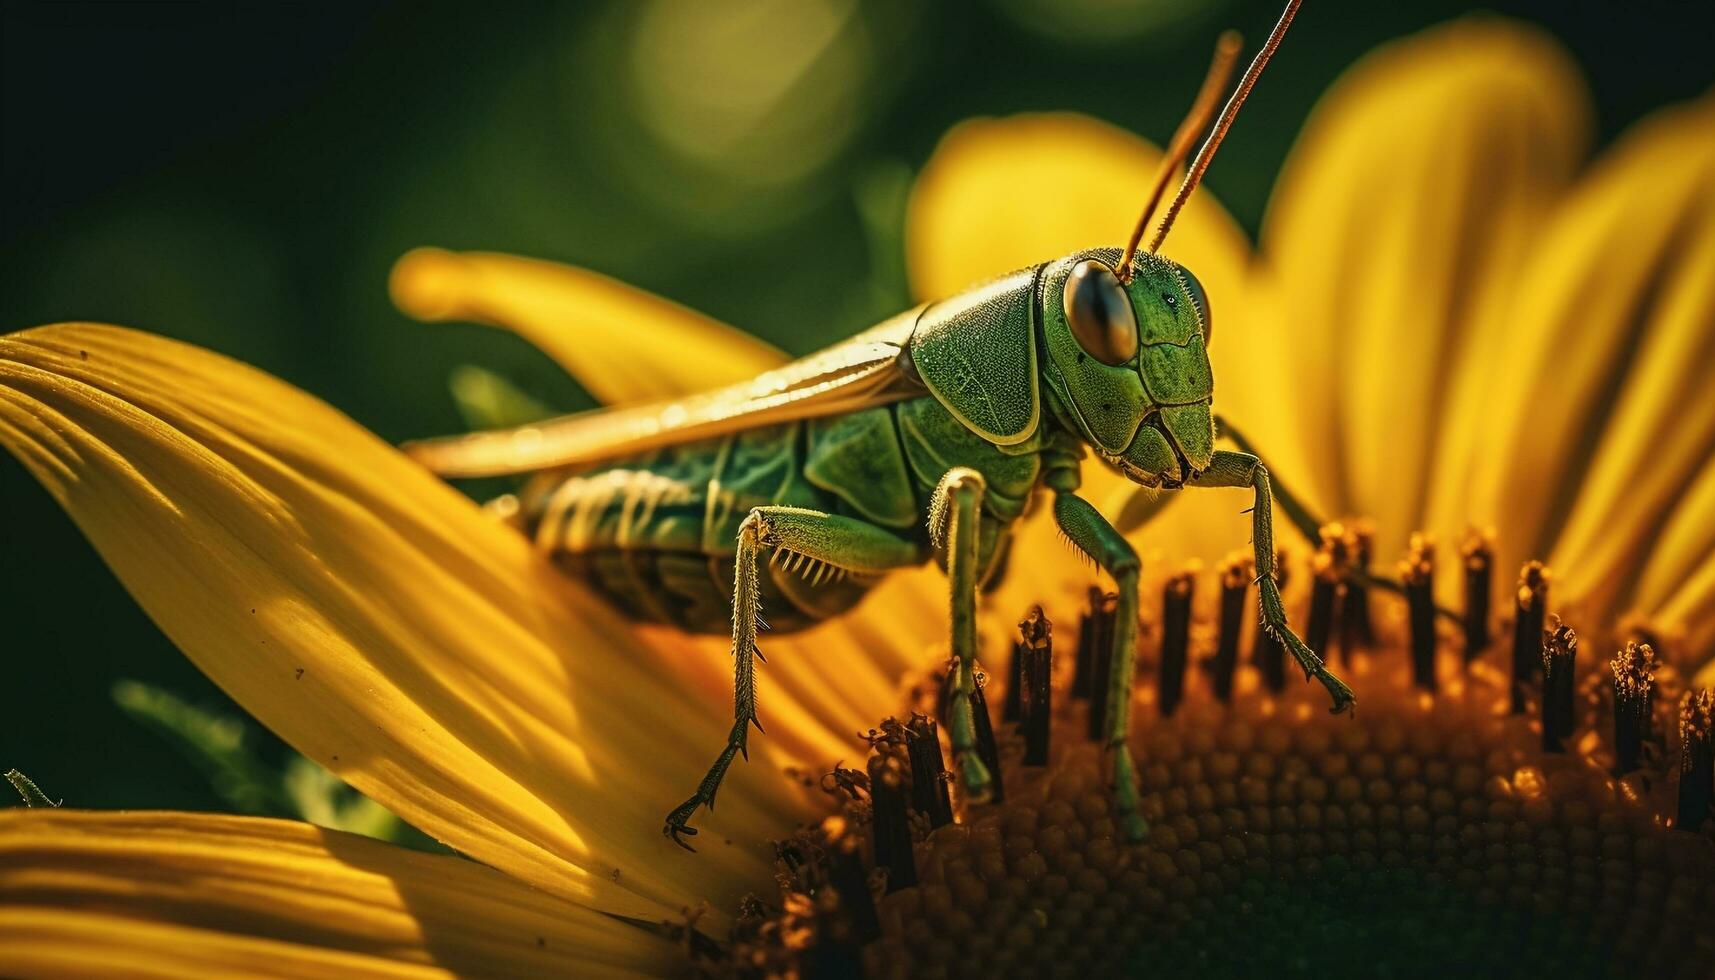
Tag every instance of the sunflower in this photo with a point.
(1450, 320)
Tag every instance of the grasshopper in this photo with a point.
(922, 438)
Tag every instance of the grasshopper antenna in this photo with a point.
(1196, 120)
(1225, 122)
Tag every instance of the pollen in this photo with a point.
(1437, 830)
(1634, 670)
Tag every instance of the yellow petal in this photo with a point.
(384, 626)
(1705, 676)
(1396, 225)
(1604, 412)
(621, 343)
(1689, 615)
(1002, 194)
(199, 895)
(1676, 586)
(1604, 296)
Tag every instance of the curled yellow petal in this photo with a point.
(1002, 194)
(1393, 231)
(382, 624)
(199, 895)
(621, 343)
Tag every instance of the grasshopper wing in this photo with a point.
(624, 345)
(859, 373)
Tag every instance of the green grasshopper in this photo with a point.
(923, 437)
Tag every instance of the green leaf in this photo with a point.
(489, 401)
(214, 743)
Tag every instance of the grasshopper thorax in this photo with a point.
(1127, 366)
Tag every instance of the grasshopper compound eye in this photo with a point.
(1200, 299)
(1100, 314)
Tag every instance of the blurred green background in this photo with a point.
(243, 178)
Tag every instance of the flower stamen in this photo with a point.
(890, 825)
(1175, 639)
(1084, 661)
(1417, 574)
(1236, 574)
(1530, 606)
(1559, 665)
(929, 776)
(1696, 759)
(1634, 703)
(1103, 613)
(1357, 630)
(1267, 653)
(1035, 653)
(1478, 551)
(1329, 568)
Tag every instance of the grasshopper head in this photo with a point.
(1126, 332)
(1127, 363)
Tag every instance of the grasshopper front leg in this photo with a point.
(1309, 525)
(1296, 511)
(1094, 536)
(1230, 469)
(841, 543)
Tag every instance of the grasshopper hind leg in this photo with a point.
(816, 544)
(745, 615)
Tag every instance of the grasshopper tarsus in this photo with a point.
(677, 828)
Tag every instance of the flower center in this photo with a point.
(1493, 804)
